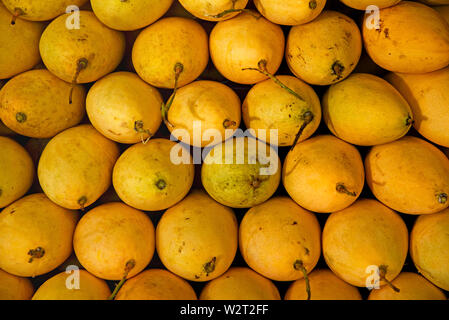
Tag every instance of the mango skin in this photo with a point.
(324, 285)
(325, 50)
(240, 184)
(412, 287)
(366, 110)
(315, 168)
(36, 104)
(129, 15)
(240, 284)
(16, 171)
(30, 223)
(428, 96)
(429, 246)
(75, 167)
(363, 4)
(41, 10)
(274, 235)
(61, 49)
(212, 103)
(111, 235)
(206, 10)
(409, 175)
(269, 106)
(195, 232)
(365, 234)
(90, 288)
(164, 44)
(290, 12)
(145, 177)
(22, 53)
(15, 288)
(413, 38)
(156, 284)
(124, 108)
(258, 39)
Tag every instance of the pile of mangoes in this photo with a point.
(226, 149)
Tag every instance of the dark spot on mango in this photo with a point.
(37, 253)
(21, 117)
(312, 4)
(161, 184)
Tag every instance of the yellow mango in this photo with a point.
(169, 47)
(35, 104)
(429, 245)
(413, 287)
(243, 42)
(409, 175)
(156, 284)
(146, 178)
(81, 55)
(365, 235)
(280, 240)
(269, 106)
(210, 104)
(75, 167)
(290, 12)
(411, 38)
(114, 240)
(40, 10)
(324, 174)
(240, 284)
(214, 10)
(129, 15)
(124, 108)
(15, 288)
(366, 110)
(90, 287)
(428, 97)
(324, 285)
(16, 171)
(35, 236)
(197, 238)
(19, 44)
(325, 50)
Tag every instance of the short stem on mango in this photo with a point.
(128, 267)
(299, 265)
(229, 123)
(382, 276)
(81, 64)
(341, 188)
(262, 68)
(178, 69)
(308, 118)
(17, 12)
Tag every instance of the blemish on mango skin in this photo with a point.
(21, 117)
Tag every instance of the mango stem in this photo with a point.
(341, 188)
(262, 68)
(308, 118)
(128, 267)
(17, 12)
(299, 265)
(81, 64)
(178, 69)
(382, 274)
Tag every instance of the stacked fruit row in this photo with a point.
(108, 111)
